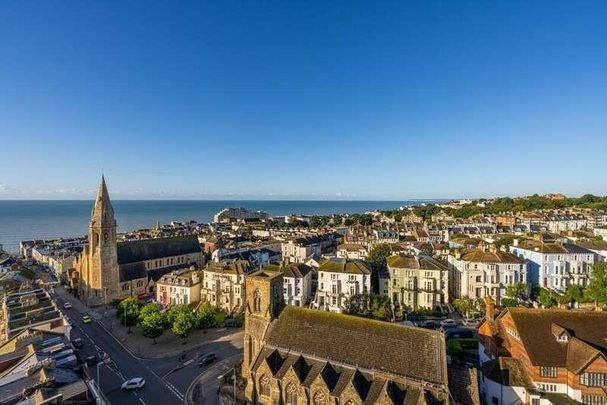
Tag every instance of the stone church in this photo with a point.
(108, 270)
(296, 355)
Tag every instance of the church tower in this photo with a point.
(99, 261)
(264, 301)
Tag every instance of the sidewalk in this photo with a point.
(139, 346)
(204, 389)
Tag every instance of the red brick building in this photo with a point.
(544, 356)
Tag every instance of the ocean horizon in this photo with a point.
(50, 219)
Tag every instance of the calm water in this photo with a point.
(25, 220)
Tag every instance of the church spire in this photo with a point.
(103, 212)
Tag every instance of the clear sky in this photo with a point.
(302, 99)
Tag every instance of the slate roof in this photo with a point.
(507, 371)
(414, 262)
(353, 340)
(481, 256)
(535, 327)
(149, 249)
(239, 267)
(297, 270)
(132, 271)
(344, 266)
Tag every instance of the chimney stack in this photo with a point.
(489, 308)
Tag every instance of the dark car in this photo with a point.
(207, 359)
(92, 360)
(430, 324)
(77, 342)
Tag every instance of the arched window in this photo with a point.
(319, 398)
(291, 394)
(257, 301)
(264, 386)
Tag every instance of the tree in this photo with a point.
(509, 302)
(545, 298)
(517, 291)
(128, 311)
(148, 309)
(175, 311)
(575, 292)
(183, 324)
(597, 288)
(463, 305)
(378, 255)
(206, 317)
(152, 325)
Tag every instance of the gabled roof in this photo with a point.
(536, 326)
(344, 266)
(497, 256)
(352, 340)
(297, 270)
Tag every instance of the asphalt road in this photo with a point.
(167, 379)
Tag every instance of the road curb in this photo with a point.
(188, 393)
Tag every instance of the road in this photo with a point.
(167, 379)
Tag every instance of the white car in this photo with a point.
(133, 384)
(67, 305)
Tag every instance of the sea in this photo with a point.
(27, 220)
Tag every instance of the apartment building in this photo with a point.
(223, 284)
(297, 279)
(555, 265)
(352, 251)
(417, 281)
(338, 281)
(483, 272)
(179, 287)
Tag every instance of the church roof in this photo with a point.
(149, 249)
(132, 271)
(103, 212)
(353, 341)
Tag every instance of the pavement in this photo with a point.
(167, 378)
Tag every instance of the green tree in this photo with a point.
(152, 325)
(128, 312)
(517, 291)
(183, 324)
(597, 287)
(147, 310)
(546, 298)
(206, 317)
(378, 255)
(509, 302)
(175, 311)
(575, 292)
(463, 305)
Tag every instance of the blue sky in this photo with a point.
(262, 99)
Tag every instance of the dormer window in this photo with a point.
(564, 338)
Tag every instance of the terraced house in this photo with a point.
(417, 281)
(483, 272)
(553, 264)
(304, 356)
(338, 281)
(540, 356)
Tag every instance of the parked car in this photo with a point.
(86, 319)
(133, 384)
(67, 305)
(472, 323)
(449, 323)
(408, 323)
(92, 360)
(429, 324)
(77, 342)
(207, 359)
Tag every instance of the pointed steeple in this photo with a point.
(103, 212)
